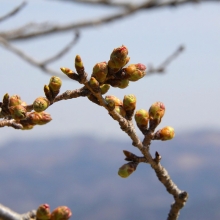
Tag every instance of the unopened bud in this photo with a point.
(18, 112)
(120, 110)
(116, 100)
(164, 134)
(48, 92)
(55, 84)
(79, 64)
(127, 169)
(100, 71)
(40, 104)
(142, 117)
(123, 83)
(40, 118)
(14, 100)
(61, 213)
(104, 88)
(129, 102)
(43, 212)
(135, 72)
(94, 84)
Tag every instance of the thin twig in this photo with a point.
(162, 67)
(13, 12)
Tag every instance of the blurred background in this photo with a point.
(74, 159)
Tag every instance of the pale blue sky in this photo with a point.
(190, 88)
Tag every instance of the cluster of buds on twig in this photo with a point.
(60, 213)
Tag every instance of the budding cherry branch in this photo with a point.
(114, 73)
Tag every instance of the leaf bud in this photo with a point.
(94, 84)
(116, 100)
(61, 213)
(135, 72)
(18, 112)
(43, 212)
(40, 104)
(164, 134)
(14, 100)
(127, 169)
(104, 88)
(100, 71)
(79, 64)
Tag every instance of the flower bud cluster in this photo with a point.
(60, 213)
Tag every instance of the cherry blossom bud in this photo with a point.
(123, 83)
(14, 100)
(157, 110)
(55, 84)
(120, 110)
(104, 88)
(40, 118)
(94, 84)
(61, 213)
(129, 102)
(164, 134)
(40, 104)
(48, 93)
(127, 169)
(100, 71)
(43, 212)
(27, 127)
(142, 117)
(135, 72)
(116, 100)
(18, 112)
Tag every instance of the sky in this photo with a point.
(189, 88)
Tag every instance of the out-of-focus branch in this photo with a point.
(42, 29)
(13, 12)
(43, 64)
(162, 67)
(8, 214)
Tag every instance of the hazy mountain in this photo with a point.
(81, 172)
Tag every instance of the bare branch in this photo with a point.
(8, 214)
(162, 67)
(13, 12)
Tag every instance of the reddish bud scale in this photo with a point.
(157, 110)
(18, 112)
(135, 72)
(40, 118)
(116, 100)
(61, 213)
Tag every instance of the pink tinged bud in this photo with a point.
(55, 83)
(164, 134)
(61, 213)
(40, 118)
(40, 104)
(123, 83)
(127, 169)
(43, 212)
(104, 88)
(116, 100)
(14, 100)
(157, 111)
(100, 71)
(120, 53)
(129, 102)
(142, 117)
(120, 110)
(18, 112)
(135, 72)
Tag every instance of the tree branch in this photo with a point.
(13, 12)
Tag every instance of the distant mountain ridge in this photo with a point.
(81, 172)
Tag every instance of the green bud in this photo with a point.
(135, 72)
(40, 104)
(120, 110)
(18, 112)
(61, 213)
(157, 110)
(55, 84)
(40, 118)
(92, 98)
(110, 104)
(104, 88)
(100, 71)
(43, 212)
(116, 100)
(164, 134)
(6, 99)
(129, 102)
(79, 64)
(123, 83)
(127, 169)
(141, 117)
(14, 100)
(94, 84)
(48, 92)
